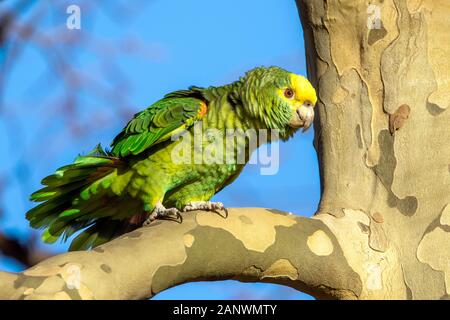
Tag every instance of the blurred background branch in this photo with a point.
(26, 25)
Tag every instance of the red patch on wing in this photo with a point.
(203, 110)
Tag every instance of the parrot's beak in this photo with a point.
(306, 115)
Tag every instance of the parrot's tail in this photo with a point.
(79, 196)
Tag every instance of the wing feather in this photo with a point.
(156, 123)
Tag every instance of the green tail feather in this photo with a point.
(78, 196)
(98, 233)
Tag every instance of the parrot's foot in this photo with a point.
(160, 212)
(206, 205)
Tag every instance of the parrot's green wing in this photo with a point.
(177, 111)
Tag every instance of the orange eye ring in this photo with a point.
(289, 93)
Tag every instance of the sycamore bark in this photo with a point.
(382, 69)
(382, 230)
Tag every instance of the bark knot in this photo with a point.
(398, 118)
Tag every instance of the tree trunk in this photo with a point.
(382, 230)
(382, 69)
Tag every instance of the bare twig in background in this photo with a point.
(26, 253)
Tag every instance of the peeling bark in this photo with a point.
(384, 132)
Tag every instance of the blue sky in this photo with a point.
(182, 43)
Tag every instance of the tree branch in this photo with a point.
(250, 245)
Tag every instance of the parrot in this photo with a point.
(106, 193)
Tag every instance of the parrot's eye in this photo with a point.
(289, 93)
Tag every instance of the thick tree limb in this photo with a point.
(250, 245)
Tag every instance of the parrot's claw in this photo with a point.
(206, 205)
(160, 212)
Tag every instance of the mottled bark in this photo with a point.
(383, 137)
(383, 226)
(250, 245)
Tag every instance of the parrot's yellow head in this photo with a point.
(281, 99)
(301, 96)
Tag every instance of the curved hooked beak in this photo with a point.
(306, 115)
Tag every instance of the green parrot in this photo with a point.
(107, 193)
